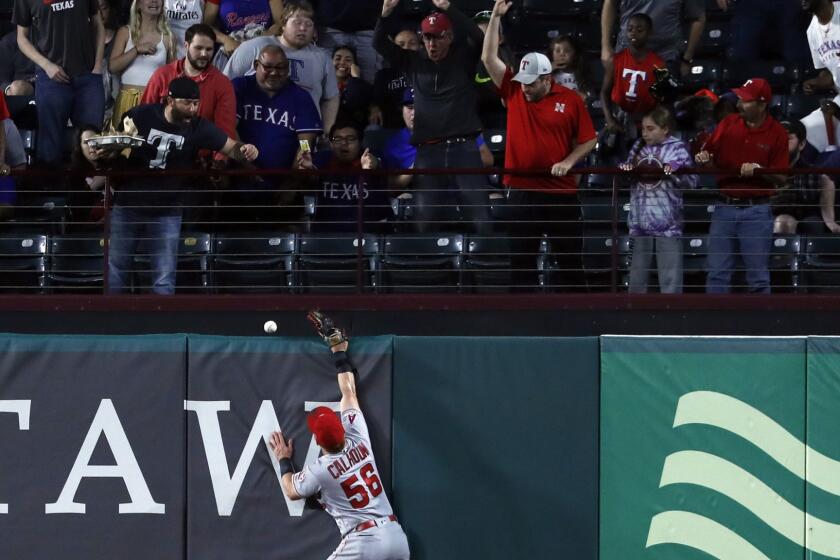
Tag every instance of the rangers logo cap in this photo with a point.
(754, 89)
(436, 23)
(326, 427)
(533, 66)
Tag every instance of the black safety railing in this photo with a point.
(306, 232)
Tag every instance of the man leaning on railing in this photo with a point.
(743, 219)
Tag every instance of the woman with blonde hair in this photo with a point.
(140, 48)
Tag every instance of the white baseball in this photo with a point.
(270, 327)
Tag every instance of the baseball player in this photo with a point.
(345, 474)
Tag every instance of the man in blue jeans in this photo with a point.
(743, 219)
(67, 44)
(148, 208)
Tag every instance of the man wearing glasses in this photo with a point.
(446, 121)
(337, 195)
(275, 115)
(310, 67)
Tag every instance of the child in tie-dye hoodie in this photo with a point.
(656, 203)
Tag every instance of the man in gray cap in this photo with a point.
(149, 208)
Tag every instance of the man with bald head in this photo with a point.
(274, 114)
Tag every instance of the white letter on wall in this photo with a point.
(107, 423)
(21, 408)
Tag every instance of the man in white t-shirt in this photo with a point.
(824, 44)
(183, 14)
(310, 67)
(345, 475)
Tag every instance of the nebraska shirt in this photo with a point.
(349, 483)
(542, 133)
(733, 144)
(632, 79)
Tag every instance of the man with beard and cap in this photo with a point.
(345, 477)
(148, 208)
(446, 122)
(274, 114)
(743, 218)
(218, 102)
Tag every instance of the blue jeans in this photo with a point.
(747, 230)
(160, 235)
(437, 199)
(82, 101)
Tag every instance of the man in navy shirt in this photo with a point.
(337, 195)
(274, 114)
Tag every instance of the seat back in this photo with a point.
(23, 263)
(821, 265)
(489, 263)
(194, 273)
(76, 264)
(422, 262)
(256, 262)
(330, 263)
(695, 250)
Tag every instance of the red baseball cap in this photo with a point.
(436, 23)
(326, 427)
(755, 89)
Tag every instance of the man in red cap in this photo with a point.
(446, 121)
(743, 219)
(345, 475)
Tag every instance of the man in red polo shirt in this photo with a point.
(743, 219)
(547, 127)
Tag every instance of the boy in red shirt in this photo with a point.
(627, 82)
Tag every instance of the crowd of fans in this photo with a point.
(349, 87)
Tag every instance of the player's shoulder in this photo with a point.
(352, 415)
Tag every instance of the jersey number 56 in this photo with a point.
(359, 492)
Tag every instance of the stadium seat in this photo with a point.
(488, 266)
(421, 263)
(800, 105)
(597, 212)
(698, 208)
(193, 269)
(330, 263)
(560, 8)
(601, 253)
(695, 250)
(495, 139)
(76, 264)
(40, 213)
(257, 262)
(781, 75)
(716, 37)
(530, 34)
(704, 73)
(23, 263)
(821, 265)
(785, 256)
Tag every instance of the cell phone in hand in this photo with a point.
(304, 146)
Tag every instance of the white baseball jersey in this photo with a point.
(824, 41)
(349, 483)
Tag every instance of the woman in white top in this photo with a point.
(140, 48)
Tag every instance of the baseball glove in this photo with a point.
(326, 329)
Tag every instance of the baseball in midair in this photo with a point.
(270, 327)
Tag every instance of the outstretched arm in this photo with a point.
(346, 379)
(490, 52)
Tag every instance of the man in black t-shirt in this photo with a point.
(446, 122)
(67, 44)
(147, 207)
